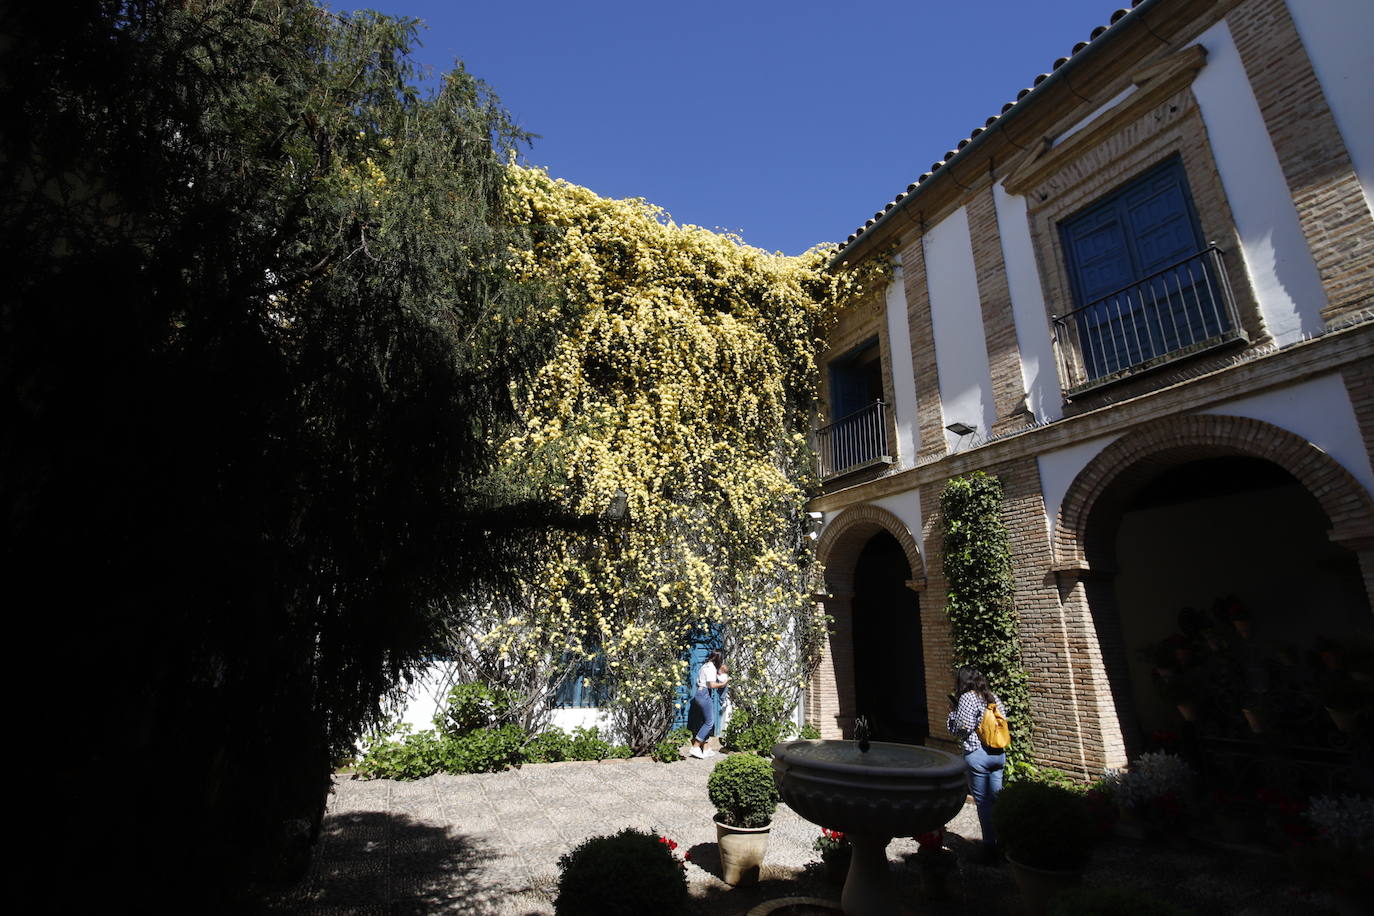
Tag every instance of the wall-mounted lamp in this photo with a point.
(961, 429)
(619, 509)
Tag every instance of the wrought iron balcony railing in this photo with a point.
(854, 441)
(1185, 308)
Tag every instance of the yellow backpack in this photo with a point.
(993, 730)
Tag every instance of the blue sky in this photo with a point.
(789, 123)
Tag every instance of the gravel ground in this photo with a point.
(488, 845)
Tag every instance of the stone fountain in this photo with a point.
(872, 791)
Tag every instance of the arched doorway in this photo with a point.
(873, 663)
(1222, 538)
(889, 671)
(1218, 567)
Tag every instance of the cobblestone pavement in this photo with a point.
(488, 845)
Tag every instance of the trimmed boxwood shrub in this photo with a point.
(1043, 825)
(626, 874)
(742, 789)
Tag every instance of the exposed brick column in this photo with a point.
(929, 412)
(1359, 384)
(999, 325)
(936, 637)
(832, 689)
(1331, 206)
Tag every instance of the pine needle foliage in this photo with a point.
(981, 596)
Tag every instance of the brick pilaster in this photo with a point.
(1321, 178)
(929, 411)
(999, 324)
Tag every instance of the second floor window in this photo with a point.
(857, 433)
(1145, 284)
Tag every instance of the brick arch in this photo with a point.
(1108, 483)
(844, 538)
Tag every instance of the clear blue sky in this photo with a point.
(789, 123)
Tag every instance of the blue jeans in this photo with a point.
(984, 782)
(707, 709)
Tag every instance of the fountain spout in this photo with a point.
(862, 733)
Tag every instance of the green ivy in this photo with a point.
(981, 603)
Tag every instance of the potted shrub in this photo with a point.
(1152, 792)
(1047, 832)
(836, 853)
(1343, 834)
(742, 789)
(625, 874)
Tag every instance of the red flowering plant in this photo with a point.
(929, 844)
(1285, 816)
(830, 842)
(672, 848)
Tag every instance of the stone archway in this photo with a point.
(831, 701)
(1091, 515)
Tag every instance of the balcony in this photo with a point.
(855, 441)
(1184, 309)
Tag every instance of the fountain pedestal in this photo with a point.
(872, 796)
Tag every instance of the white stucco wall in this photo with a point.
(907, 507)
(1034, 337)
(1060, 467)
(903, 378)
(1320, 411)
(956, 316)
(1339, 37)
(1277, 258)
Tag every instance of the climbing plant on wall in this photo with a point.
(981, 603)
(684, 376)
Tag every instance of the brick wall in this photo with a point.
(1331, 206)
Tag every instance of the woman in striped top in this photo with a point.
(970, 700)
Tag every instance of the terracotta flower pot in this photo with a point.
(1039, 886)
(1242, 627)
(1346, 720)
(837, 864)
(741, 852)
(1254, 720)
(1188, 710)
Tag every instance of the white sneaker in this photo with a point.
(710, 753)
(696, 752)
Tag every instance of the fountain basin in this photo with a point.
(891, 790)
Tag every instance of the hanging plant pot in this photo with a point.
(1183, 655)
(1254, 720)
(1242, 627)
(1346, 720)
(1188, 710)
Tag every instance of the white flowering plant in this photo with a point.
(1156, 781)
(1345, 822)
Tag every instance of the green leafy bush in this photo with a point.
(1108, 901)
(587, 744)
(619, 752)
(742, 789)
(1044, 826)
(550, 746)
(626, 874)
(756, 729)
(473, 706)
(810, 732)
(401, 755)
(486, 750)
(669, 749)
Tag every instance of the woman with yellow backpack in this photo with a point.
(977, 719)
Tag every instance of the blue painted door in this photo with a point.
(1133, 234)
(703, 643)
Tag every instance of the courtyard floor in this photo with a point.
(488, 845)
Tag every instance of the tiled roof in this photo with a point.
(989, 124)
